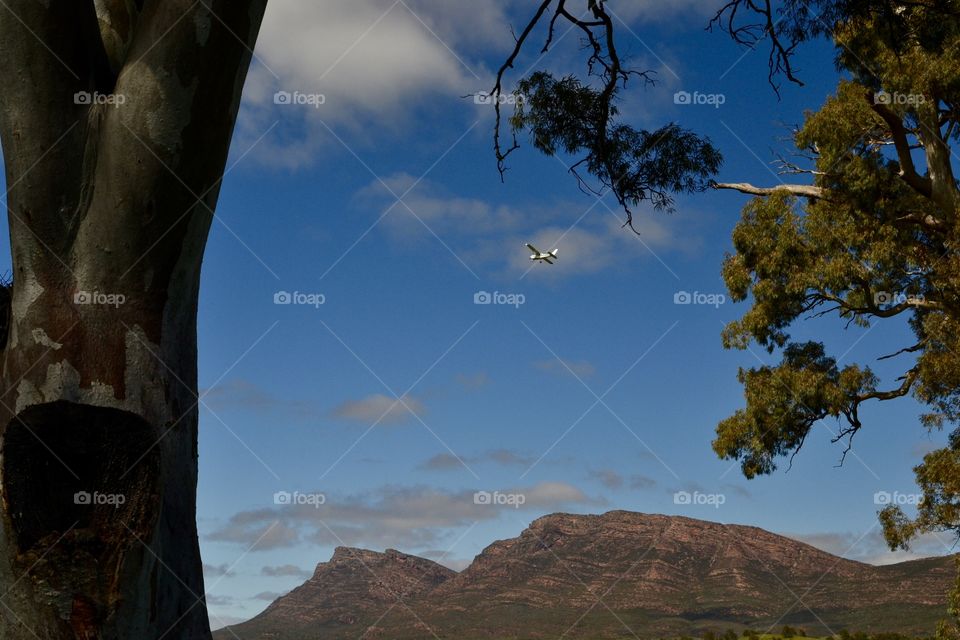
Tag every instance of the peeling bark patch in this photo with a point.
(82, 472)
(40, 337)
(28, 291)
(166, 122)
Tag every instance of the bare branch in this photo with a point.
(804, 190)
(917, 347)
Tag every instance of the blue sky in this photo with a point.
(598, 392)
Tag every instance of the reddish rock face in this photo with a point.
(355, 583)
(602, 576)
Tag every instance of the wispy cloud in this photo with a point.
(493, 234)
(562, 367)
(242, 394)
(613, 480)
(504, 457)
(285, 570)
(608, 478)
(380, 407)
(872, 548)
(400, 517)
(473, 380)
(638, 481)
(216, 571)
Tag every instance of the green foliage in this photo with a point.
(637, 165)
(950, 629)
(879, 242)
(580, 118)
(876, 239)
(784, 402)
(786, 24)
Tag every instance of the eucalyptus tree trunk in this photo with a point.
(115, 118)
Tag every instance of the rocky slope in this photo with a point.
(612, 575)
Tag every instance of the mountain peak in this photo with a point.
(661, 576)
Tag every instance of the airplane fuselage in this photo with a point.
(540, 256)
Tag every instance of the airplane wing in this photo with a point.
(533, 248)
(547, 260)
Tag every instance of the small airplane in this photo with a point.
(541, 256)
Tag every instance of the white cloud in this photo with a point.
(493, 234)
(378, 407)
(378, 63)
(368, 59)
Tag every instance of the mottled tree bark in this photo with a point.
(110, 202)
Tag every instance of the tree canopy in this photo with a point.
(579, 117)
(873, 237)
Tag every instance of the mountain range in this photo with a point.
(616, 575)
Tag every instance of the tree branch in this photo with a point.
(804, 190)
(898, 134)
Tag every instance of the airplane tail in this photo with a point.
(554, 253)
